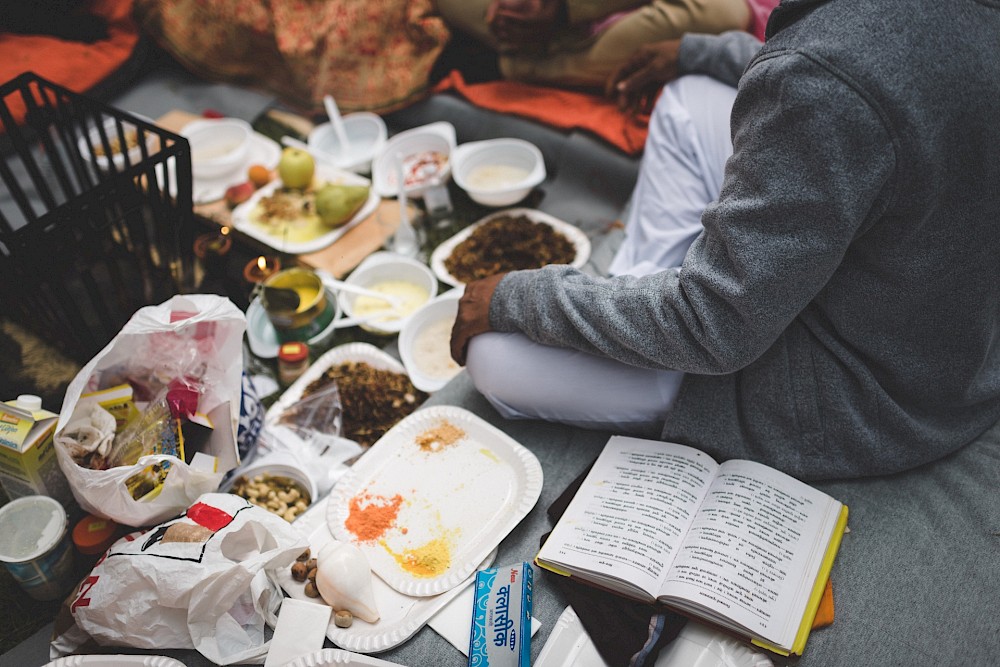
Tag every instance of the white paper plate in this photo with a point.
(335, 656)
(115, 661)
(469, 495)
(324, 173)
(364, 352)
(575, 236)
(400, 616)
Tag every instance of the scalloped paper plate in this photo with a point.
(324, 173)
(334, 656)
(574, 234)
(455, 501)
(115, 661)
(400, 616)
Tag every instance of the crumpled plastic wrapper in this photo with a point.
(90, 435)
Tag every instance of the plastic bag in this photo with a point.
(196, 338)
(205, 581)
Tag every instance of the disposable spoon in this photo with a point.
(340, 285)
(338, 124)
(405, 240)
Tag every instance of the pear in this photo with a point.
(336, 204)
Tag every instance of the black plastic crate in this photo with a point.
(89, 231)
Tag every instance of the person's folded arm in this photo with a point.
(583, 11)
(723, 57)
(812, 166)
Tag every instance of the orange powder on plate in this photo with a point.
(370, 516)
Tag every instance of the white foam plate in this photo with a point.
(115, 661)
(571, 232)
(262, 150)
(469, 495)
(324, 173)
(400, 616)
(334, 656)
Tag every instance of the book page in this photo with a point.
(627, 519)
(754, 549)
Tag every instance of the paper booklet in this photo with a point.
(740, 545)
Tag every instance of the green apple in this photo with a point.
(296, 168)
(336, 204)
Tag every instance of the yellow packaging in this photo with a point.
(28, 464)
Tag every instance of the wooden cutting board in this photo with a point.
(340, 257)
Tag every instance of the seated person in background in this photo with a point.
(838, 309)
(580, 43)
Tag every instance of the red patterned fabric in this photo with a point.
(373, 55)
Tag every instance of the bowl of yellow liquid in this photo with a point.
(407, 283)
(296, 303)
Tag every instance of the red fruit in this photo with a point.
(238, 194)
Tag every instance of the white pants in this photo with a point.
(681, 173)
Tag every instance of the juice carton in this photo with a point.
(28, 464)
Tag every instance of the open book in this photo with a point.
(740, 545)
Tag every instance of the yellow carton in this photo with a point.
(28, 464)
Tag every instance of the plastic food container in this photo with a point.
(35, 546)
(425, 343)
(366, 134)
(218, 147)
(498, 172)
(282, 472)
(416, 148)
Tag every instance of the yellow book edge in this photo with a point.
(805, 627)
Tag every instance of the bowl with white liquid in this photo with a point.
(425, 342)
(407, 283)
(498, 172)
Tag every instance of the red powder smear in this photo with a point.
(370, 516)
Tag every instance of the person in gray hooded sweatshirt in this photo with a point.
(839, 314)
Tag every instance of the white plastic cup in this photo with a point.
(35, 546)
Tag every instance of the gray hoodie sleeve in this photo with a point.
(723, 57)
(811, 166)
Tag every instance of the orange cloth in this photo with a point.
(75, 65)
(824, 615)
(559, 108)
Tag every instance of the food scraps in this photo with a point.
(508, 243)
(373, 400)
(425, 561)
(443, 435)
(371, 516)
(423, 167)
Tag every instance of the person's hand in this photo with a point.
(521, 23)
(637, 83)
(473, 315)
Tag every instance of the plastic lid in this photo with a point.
(293, 352)
(29, 402)
(93, 535)
(30, 527)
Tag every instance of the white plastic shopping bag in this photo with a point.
(191, 345)
(203, 581)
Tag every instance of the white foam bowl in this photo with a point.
(498, 172)
(219, 147)
(438, 137)
(93, 143)
(431, 315)
(366, 135)
(381, 267)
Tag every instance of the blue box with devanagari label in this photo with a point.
(501, 617)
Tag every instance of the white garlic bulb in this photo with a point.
(344, 580)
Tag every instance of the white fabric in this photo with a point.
(681, 173)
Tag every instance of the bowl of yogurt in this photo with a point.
(498, 172)
(406, 283)
(425, 342)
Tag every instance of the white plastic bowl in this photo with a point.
(437, 137)
(419, 347)
(366, 134)
(219, 147)
(94, 143)
(381, 267)
(277, 464)
(498, 172)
